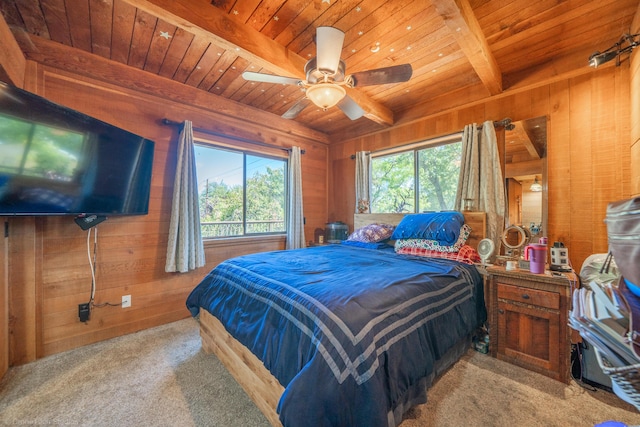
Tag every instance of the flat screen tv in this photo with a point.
(57, 161)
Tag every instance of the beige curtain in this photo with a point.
(481, 184)
(295, 226)
(363, 182)
(185, 250)
(468, 194)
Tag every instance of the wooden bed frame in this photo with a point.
(262, 387)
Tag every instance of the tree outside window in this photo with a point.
(393, 183)
(417, 180)
(240, 193)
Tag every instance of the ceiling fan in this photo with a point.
(326, 79)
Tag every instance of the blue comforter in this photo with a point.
(352, 334)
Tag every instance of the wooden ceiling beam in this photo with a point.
(372, 110)
(459, 18)
(556, 69)
(12, 60)
(521, 135)
(222, 29)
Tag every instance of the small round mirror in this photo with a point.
(514, 238)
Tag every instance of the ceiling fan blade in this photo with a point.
(329, 42)
(269, 78)
(380, 76)
(296, 108)
(350, 108)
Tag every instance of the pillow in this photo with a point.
(372, 233)
(466, 254)
(444, 227)
(433, 245)
(377, 245)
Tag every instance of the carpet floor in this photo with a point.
(157, 378)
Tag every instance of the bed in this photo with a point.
(339, 335)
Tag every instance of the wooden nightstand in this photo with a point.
(528, 319)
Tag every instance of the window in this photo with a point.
(424, 178)
(241, 193)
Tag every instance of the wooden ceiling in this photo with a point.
(458, 49)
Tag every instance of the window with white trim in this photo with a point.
(241, 193)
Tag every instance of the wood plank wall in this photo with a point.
(49, 273)
(588, 151)
(635, 122)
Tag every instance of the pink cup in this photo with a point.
(537, 256)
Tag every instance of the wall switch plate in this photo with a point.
(126, 301)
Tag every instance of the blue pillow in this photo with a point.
(444, 227)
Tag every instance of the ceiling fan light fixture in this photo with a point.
(326, 81)
(325, 95)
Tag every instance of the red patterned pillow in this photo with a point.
(372, 233)
(466, 254)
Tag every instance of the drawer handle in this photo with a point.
(525, 296)
(501, 311)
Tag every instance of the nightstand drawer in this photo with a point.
(535, 297)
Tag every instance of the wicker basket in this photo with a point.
(625, 379)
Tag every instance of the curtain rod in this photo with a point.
(168, 122)
(506, 123)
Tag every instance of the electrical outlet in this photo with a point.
(126, 301)
(84, 311)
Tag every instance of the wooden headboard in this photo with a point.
(476, 220)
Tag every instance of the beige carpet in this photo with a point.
(157, 378)
(482, 391)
